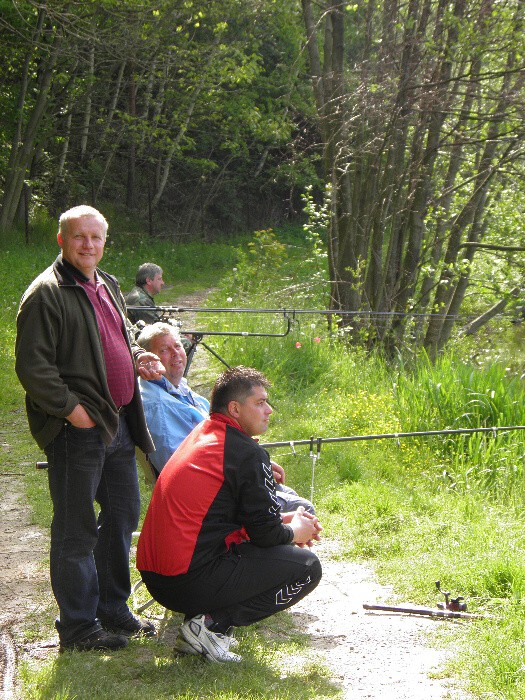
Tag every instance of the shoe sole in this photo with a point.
(129, 634)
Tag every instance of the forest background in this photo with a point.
(405, 122)
(376, 149)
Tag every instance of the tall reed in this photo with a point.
(452, 394)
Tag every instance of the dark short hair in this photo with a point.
(235, 384)
(145, 272)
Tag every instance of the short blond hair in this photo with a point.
(156, 330)
(77, 213)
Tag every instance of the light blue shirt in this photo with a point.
(171, 414)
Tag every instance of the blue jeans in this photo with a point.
(289, 500)
(90, 554)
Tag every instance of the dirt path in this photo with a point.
(370, 655)
(23, 575)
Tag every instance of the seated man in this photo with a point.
(214, 544)
(148, 283)
(172, 409)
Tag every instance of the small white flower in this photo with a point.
(229, 300)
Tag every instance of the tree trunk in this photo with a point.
(484, 318)
(17, 166)
(24, 153)
(87, 109)
(130, 185)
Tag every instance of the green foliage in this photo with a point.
(258, 261)
(411, 198)
(424, 508)
(194, 104)
(455, 394)
(316, 229)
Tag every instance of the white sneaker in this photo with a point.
(229, 640)
(214, 647)
(181, 646)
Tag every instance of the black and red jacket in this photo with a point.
(217, 488)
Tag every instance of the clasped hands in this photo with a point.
(306, 527)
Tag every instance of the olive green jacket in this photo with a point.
(139, 297)
(60, 359)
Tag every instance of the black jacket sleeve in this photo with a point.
(259, 509)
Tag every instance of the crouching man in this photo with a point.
(214, 544)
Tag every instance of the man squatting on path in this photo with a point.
(172, 409)
(214, 544)
(77, 366)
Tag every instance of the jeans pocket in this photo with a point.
(80, 448)
(70, 426)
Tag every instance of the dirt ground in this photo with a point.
(371, 655)
(23, 576)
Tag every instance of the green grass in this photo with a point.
(418, 509)
(148, 668)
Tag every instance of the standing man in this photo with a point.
(76, 364)
(214, 544)
(148, 283)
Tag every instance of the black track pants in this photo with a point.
(247, 584)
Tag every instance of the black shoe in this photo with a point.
(96, 641)
(132, 627)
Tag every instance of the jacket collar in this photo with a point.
(229, 421)
(66, 272)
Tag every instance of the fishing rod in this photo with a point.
(293, 312)
(287, 318)
(315, 443)
(197, 336)
(396, 436)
